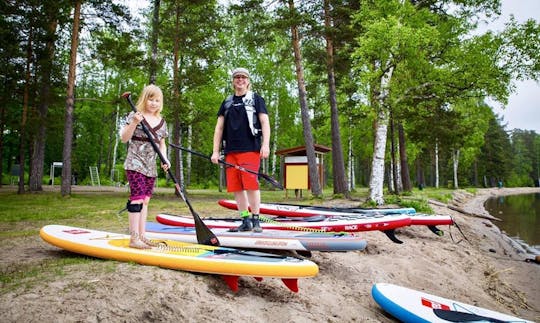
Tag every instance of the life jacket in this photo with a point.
(251, 112)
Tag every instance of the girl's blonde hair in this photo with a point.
(150, 91)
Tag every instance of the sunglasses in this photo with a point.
(240, 77)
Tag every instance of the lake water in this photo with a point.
(520, 215)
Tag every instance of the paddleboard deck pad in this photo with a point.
(229, 262)
(409, 305)
(268, 239)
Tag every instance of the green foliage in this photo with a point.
(495, 154)
(421, 206)
(516, 180)
(441, 76)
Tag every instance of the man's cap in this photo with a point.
(240, 71)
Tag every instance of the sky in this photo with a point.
(523, 108)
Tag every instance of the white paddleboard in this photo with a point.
(409, 305)
(268, 239)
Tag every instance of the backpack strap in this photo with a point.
(251, 112)
(228, 105)
(249, 104)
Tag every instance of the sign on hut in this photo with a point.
(294, 168)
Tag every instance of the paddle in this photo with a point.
(204, 235)
(264, 176)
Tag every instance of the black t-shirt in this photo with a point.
(237, 134)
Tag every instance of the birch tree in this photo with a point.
(379, 50)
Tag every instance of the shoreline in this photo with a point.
(474, 205)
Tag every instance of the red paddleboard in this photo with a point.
(384, 223)
(292, 210)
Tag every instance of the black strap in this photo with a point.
(153, 131)
(136, 138)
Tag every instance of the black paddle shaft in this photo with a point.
(221, 161)
(204, 234)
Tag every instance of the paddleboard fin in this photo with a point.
(455, 316)
(391, 234)
(232, 282)
(304, 253)
(436, 230)
(291, 283)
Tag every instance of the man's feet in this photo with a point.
(245, 226)
(256, 224)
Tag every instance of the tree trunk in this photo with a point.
(38, 160)
(340, 180)
(376, 181)
(476, 182)
(391, 186)
(177, 123)
(2, 126)
(275, 136)
(405, 175)
(350, 165)
(189, 140)
(26, 95)
(154, 42)
(455, 163)
(302, 94)
(393, 165)
(436, 164)
(420, 179)
(70, 102)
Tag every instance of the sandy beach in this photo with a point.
(480, 266)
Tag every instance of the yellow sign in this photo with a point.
(296, 177)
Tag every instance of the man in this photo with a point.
(243, 128)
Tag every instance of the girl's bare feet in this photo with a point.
(148, 242)
(138, 244)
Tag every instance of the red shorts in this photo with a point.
(238, 180)
(140, 186)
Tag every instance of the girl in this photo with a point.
(140, 165)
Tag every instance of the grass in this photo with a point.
(27, 275)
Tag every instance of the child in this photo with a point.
(140, 165)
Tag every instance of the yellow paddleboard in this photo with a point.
(229, 262)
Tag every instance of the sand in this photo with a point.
(481, 267)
